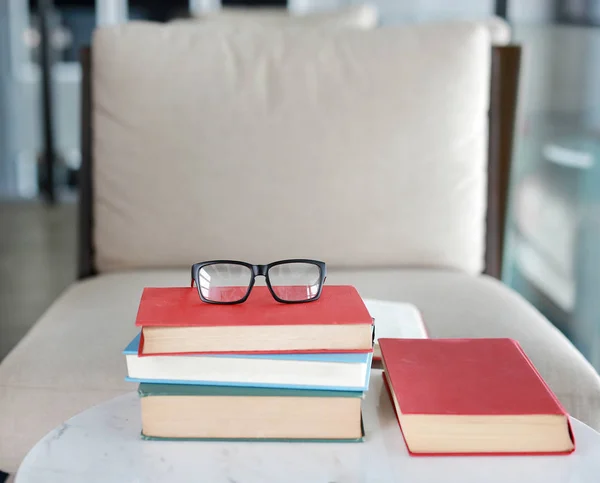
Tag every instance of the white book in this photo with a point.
(396, 320)
(330, 371)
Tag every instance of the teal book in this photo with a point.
(191, 412)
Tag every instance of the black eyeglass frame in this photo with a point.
(259, 270)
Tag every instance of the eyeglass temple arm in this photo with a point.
(192, 275)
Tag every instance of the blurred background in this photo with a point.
(553, 243)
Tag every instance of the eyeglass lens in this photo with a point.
(224, 282)
(295, 282)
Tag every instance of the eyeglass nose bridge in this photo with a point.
(260, 270)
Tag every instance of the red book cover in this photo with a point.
(467, 377)
(182, 307)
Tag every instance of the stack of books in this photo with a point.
(255, 370)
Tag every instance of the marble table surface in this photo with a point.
(103, 444)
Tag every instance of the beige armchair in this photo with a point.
(367, 149)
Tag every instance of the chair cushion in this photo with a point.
(362, 148)
(71, 359)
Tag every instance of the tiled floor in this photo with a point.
(37, 262)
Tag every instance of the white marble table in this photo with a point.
(103, 444)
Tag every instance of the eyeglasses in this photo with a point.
(230, 282)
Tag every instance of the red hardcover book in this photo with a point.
(472, 397)
(175, 321)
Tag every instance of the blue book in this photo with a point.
(319, 371)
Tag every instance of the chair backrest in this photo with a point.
(364, 149)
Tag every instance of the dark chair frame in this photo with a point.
(505, 63)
